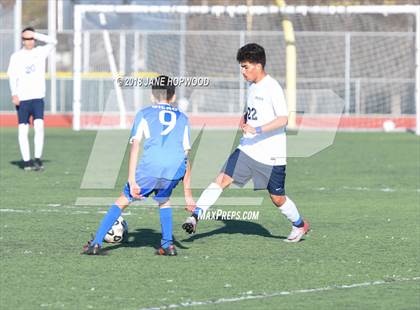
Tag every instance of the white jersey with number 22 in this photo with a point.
(265, 102)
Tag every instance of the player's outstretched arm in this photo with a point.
(189, 200)
(132, 165)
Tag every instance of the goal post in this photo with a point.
(114, 71)
(375, 72)
(417, 53)
(289, 38)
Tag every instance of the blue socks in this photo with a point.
(166, 225)
(113, 213)
(298, 223)
(198, 211)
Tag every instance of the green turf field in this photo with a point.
(361, 196)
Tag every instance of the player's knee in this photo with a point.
(165, 204)
(39, 125)
(278, 200)
(223, 180)
(122, 202)
(23, 130)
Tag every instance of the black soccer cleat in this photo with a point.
(27, 165)
(92, 249)
(190, 224)
(169, 251)
(38, 164)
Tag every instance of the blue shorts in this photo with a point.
(242, 168)
(28, 108)
(162, 188)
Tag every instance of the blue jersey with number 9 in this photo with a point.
(166, 139)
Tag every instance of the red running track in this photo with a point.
(220, 121)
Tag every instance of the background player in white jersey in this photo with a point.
(261, 155)
(163, 164)
(27, 84)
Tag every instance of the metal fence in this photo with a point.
(373, 72)
(367, 60)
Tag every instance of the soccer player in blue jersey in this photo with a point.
(163, 164)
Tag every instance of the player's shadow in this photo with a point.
(19, 163)
(142, 237)
(236, 227)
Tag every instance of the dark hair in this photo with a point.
(28, 29)
(253, 53)
(163, 88)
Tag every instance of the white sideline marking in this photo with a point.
(249, 296)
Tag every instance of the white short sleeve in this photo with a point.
(142, 130)
(186, 141)
(279, 101)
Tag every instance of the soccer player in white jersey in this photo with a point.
(261, 155)
(27, 84)
(164, 163)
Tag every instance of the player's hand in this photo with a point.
(135, 190)
(15, 100)
(190, 204)
(248, 129)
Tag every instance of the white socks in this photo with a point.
(289, 210)
(38, 137)
(23, 131)
(209, 196)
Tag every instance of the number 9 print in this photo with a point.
(170, 123)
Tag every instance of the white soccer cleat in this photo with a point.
(298, 232)
(190, 225)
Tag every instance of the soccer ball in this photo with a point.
(118, 231)
(388, 126)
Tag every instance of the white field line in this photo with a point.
(71, 210)
(250, 296)
(367, 189)
(100, 205)
(63, 211)
(15, 210)
(176, 201)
